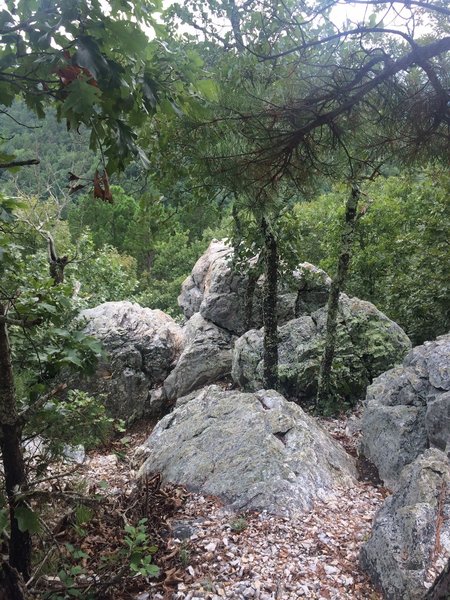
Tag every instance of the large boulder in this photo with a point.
(141, 347)
(197, 284)
(217, 289)
(255, 451)
(205, 359)
(407, 410)
(410, 539)
(368, 343)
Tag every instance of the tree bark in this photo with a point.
(324, 399)
(11, 585)
(13, 462)
(57, 264)
(270, 308)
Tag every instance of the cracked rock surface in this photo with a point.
(410, 539)
(368, 343)
(253, 450)
(407, 410)
(142, 346)
(218, 291)
(206, 358)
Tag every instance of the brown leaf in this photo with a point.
(101, 187)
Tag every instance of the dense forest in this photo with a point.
(146, 243)
(134, 134)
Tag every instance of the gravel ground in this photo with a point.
(220, 554)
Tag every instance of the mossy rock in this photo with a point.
(368, 343)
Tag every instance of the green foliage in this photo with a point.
(101, 275)
(110, 224)
(84, 418)
(239, 525)
(68, 574)
(138, 550)
(174, 259)
(400, 260)
(27, 519)
(132, 558)
(47, 339)
(59, 151)
(184, 554)
(108, 78)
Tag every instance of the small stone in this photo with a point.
(211, 547)
(329, 570)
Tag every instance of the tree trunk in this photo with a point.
(13, 462)
(11, 585)
(270, 309)
(56, 263)
(324, 400)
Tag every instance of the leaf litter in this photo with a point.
(204, 551)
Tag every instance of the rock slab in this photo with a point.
(412, 530)
(141, 346)
(205, 359)
(217, 289)
(368, 343)
(253, 450)
(407, 410)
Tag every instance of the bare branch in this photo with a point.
(20, 163)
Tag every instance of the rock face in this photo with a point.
(198, 284)
(410, 529)
(407, 410)
(142, 346)
(205, 358)
(368, 343)
(218, 292)
(313, 287)
(255, 451)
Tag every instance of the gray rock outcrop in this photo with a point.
(411, 532)
(141, 345)
(198, 283)
(368, 343)
(407, 410)
(206, 358)
(218, 291)
(255, 451)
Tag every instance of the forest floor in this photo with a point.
(206, 552)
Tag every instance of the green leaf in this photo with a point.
(6, 94)
(81, 99)
(27, 519)
(152, 571)
(89, 56)
(208, 89)
(169, 108)
(73, 358)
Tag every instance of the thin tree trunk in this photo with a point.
(270, 309)
(324, 400)
(56, 263)
(13, 462)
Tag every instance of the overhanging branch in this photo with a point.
(20, 163)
